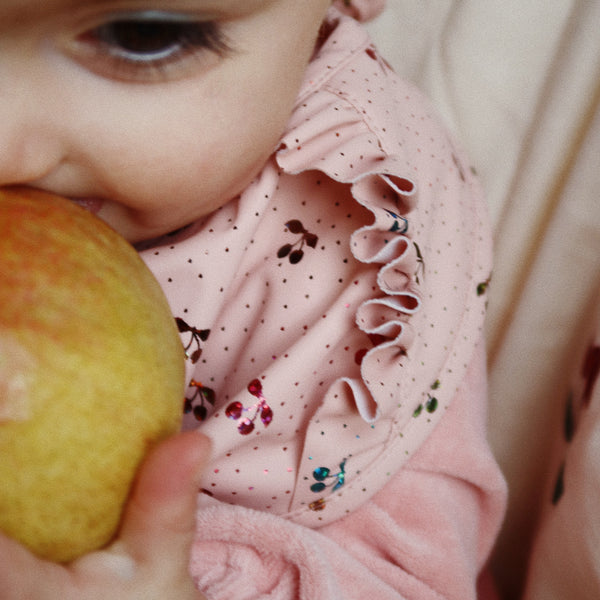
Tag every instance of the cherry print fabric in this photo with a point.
(346, 279)
(565, 562)
(424, 536)
(330, 315)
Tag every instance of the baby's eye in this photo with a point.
(148, 46)
(147, 38)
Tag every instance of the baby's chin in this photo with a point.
(121, 220)
(139, 227)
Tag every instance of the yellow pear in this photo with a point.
(91, 373)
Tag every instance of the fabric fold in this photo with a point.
(333, 307)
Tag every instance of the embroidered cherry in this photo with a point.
(202, 394)
(246, 426)
(420, 264)
(483, 286)
(323, 474)
(255, 388)
(235, 410)
(590, 371)
(317, 505)
(293, 252)
(432, 403)
(399, 224)
(197, 336)
(266, 414)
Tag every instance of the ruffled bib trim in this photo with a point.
(421, 243)
(352, 150)
(348, 152)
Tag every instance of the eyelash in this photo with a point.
(150, 47)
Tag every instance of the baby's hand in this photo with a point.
(148, 561)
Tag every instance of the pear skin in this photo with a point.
(91, 373)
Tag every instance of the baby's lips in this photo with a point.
(92, 205)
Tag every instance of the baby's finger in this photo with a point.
(159, 522)
(23, 575)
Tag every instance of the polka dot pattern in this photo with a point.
(329, 312)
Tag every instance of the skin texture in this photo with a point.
(161, 147)
(155, 147)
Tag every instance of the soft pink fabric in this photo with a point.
(426, 535)
(331, 314)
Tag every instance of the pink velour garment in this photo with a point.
(333, 316)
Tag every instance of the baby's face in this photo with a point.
(151, 112)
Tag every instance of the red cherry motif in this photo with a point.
(255, 388)
(246, 427)
(266, 414)
(236, 409)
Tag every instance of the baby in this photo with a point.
(324, 247)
